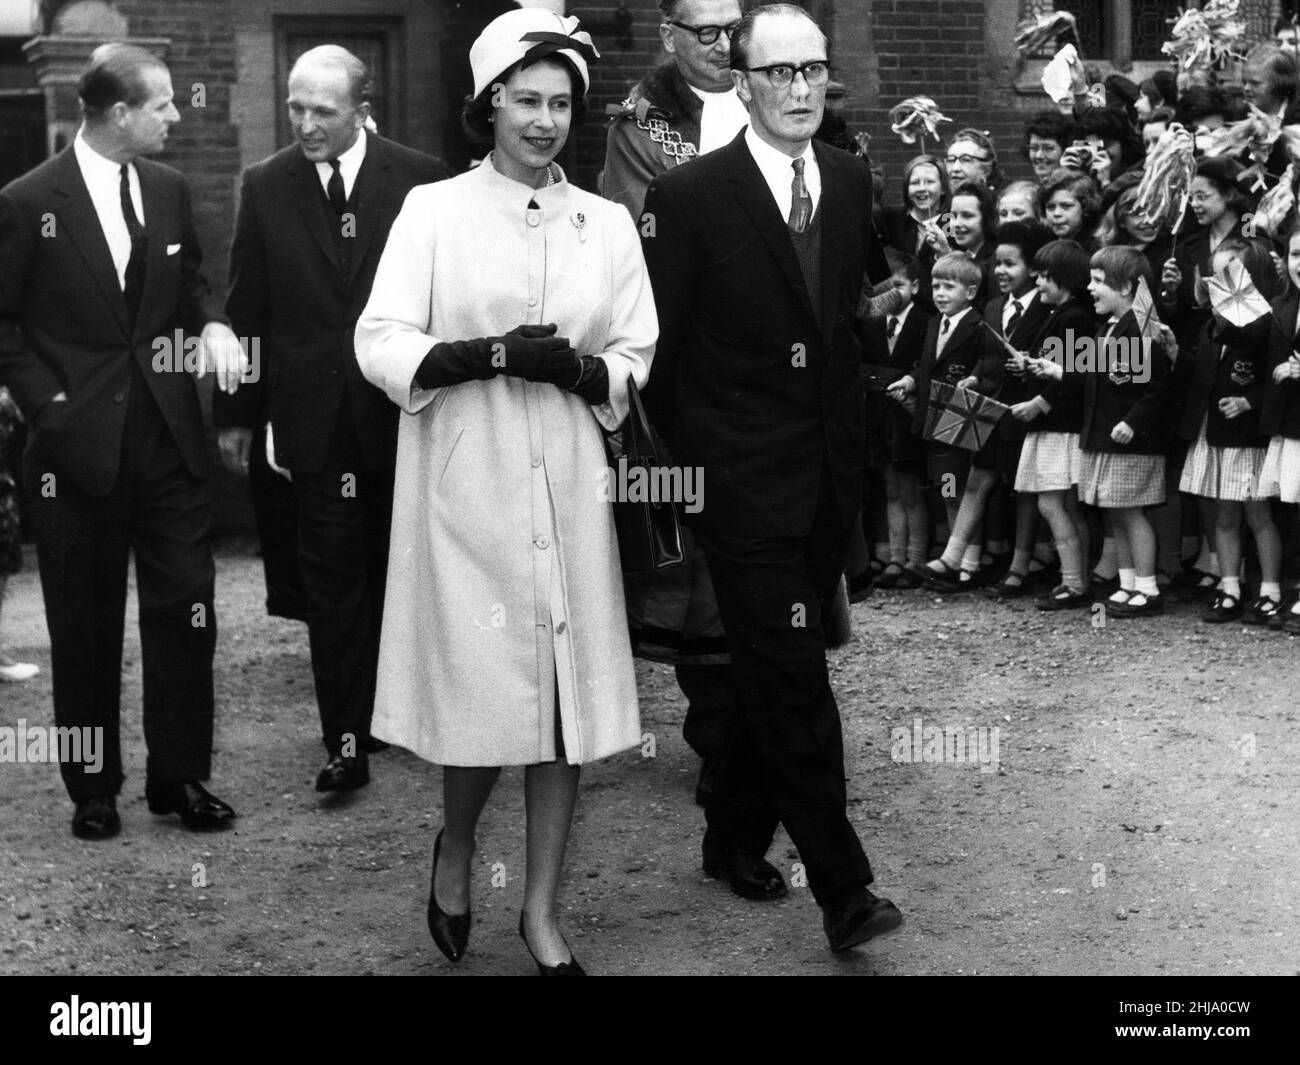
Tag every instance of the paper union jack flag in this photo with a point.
(960, 417)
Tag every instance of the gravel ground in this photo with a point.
(1141, 817)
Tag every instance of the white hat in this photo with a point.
(530, 32)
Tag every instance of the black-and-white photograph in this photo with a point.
(657, 487)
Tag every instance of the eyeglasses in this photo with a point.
(816, 72)
(968, 160)
(707, 34)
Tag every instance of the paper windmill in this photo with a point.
(961, 417)
(1034, 33)
(916, 118)
(1202, 37)
(1166, 185)
(1234, 295)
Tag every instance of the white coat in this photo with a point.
(503, 575)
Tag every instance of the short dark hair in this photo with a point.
(1053, 126)
(1028, 235)
(1111, 124)
(1161, 89)
(902, 264)
(1198, 102)
(476, 115)
(115, 74)
(1083, 187)
(1225, 175)
(988, 206)
(1064, 263)
(745, 30)
(1121, 266)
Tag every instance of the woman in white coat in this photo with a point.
(509, 315)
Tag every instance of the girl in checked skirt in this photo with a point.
(1226, 376)
(1049, 460)
(1279, 419)
(1122, 462)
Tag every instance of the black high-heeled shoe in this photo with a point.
(565, 968)
(450, 931)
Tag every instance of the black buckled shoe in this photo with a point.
(1137, 605)
(200, 810)
(857, 916)
(947, 580)
(1225, 608)
(1261, 611)
(96, 818)
(1061, 598)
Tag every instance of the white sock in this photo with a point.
(1147, 586)
(1230, 586)
(1271, 590)
(1128, 579)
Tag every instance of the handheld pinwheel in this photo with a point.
(916, 118)
(1206, 37)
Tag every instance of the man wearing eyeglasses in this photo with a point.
(685, 107)
(756, 255)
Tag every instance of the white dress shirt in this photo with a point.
(723, 117)
(778, 171)
(103, 179)
(349, 166)
(946, 335)
(898, 319)
(1022, 302)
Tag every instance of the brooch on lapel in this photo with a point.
(579, 221)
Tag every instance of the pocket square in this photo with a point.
(172, 249)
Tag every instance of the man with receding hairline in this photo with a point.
(313, 220)
(99, 273)
(757, 253)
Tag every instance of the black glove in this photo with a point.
(592, 380)
(529, 351)
(535, 353)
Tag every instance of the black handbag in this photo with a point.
(649, 530)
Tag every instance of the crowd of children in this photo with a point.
(1145, 451)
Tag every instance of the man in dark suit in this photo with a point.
(99, 276)
(313, 221)
(756, 254)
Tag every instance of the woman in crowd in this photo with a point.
(970, 230)
(925, 200)
(1072, 207)
(1047, 135)
(972, 158)
(505, 639)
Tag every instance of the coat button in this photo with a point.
(534, 218)
(537, 461)
(542, 542)
(532, 301)
(119, 397)
(560, 627)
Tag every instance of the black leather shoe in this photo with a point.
(857, 916)
(1061, 598)
(565, 968)
(450, 931)
(1137, 605)
(199, 810)
(750, 877)
(373, 744)
(946, 580)
(1225, 608)
(96, 818)
(344, 774)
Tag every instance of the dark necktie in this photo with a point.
(1013, 321)
(891, 331)
(338, 197)
(943, 327)
(133, 286)
(801, 207)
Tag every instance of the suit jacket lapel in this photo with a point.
(85, 231)
(159, 208)
(755, 198)
(834, 192)
(961, 332)
(367, 198)
(311, 204)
